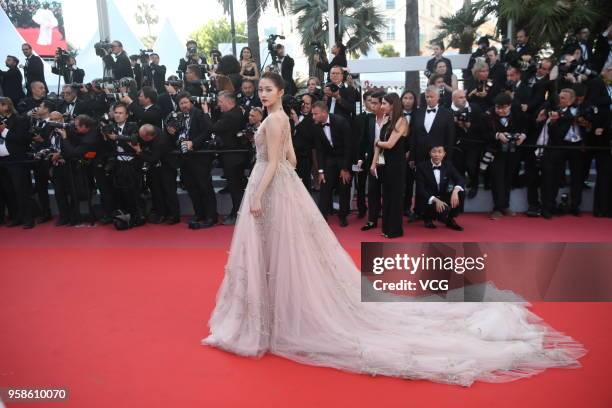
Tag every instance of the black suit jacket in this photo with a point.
(121, 67)
(34, 71)
(75, 146)
(287, 74)
(426, 185)
(557, 130)
(152, 116)
(341, 138)
(199, 128)
(12, 84)
(159, 149)
(70, 76)
(345, 107)
(517, 123)
(365, 125)
(82, 106)
(303, 137)
(431, 64)
(600, 54)
(155, 76)
(18, 138)
(442, 133)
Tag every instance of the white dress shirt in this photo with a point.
(430, 116)
(436, 172)
(327, 131)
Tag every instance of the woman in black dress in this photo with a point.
(390, 163)
(248, 67)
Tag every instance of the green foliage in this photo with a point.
(214, 32)
(459, 30)
(387, 50)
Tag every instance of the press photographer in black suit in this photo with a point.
(33, 68)
(38, 94)
(226, 128)
(14, 144)
(285, 68)
(145, 111)
(41, 140)
(507, 130)
(155, 74)
(191, 58)
(72, 105)
(340, 99)
(334, 156)
(70, 73)
(434, 179)
(339, 52)
(194, 134)
(120, 65)
(303, 139)
(154, 149)
(12, 80)
(193, 76)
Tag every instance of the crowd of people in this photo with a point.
(517, 121)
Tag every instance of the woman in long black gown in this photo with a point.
(393, 166)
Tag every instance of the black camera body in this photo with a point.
(510, 147)
(332, 87)
(61, 58)
(176, 120)
(463, 115)
(103, 48)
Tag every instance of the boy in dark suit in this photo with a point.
(440, 189)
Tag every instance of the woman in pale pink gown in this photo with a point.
(290, 289)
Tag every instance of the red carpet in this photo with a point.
(117, 318)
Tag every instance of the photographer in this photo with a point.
(193, 80)
(125, 168)
(61, 177)
(483, 46)
(247, 97)
(468, 125)
(507, 130)
(14, 145)
(254, 119)
(570, 70)
(563, 130)
(339, 52)
(284, 65)
(516, 52)
(145, 111)
(71, 105)
(137, 70)
(303, 139)
(483, 90)
(155, 74)
(446, 98)
(497, 70)
(227, 128)
(167, 100)
(339, 97)
(191, 58)
(12, 80)
(65, 65)
(154, 149)
(191, 132)
(120, 65)
(38, 94)
(41, 135)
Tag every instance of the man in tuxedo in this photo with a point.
(145, 111)
(468, 131)
(373, 124)
(154, 149)
(137, 70)
(439, 189)
(582, 37)
(339, 97)
(522, 47)
(70, 73)
(338, 50)
(17, 140)
(507, 130)
(563, 130)
(602, 54)
(497, 70)
(195, 169)
(334, 156)
(127, 166)
(433, 125)
(230, 123)
(38, 94)
(120, 65)
(167, 100)
(303, 139)
(446, 98)
(33, 68)
(72, 105)
(285, 67)
(155, 74)
(12, 80)
(191, 58)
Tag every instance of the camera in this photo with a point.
(510, 147)
(103, 48)
(272, 48)
(293, 102)
(115, 96)
(144, 56)
(192, 51)
(58, 125)
(61, 57)
(332, 87)
(176, 83)
(210, 98)
(176, 120)
(462, 115)
(574, 68)
(248, 132)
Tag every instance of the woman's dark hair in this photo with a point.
(228, 64)
(276, 79)
(341, 47)
(397, 111)
(242, 50)
(414, 97)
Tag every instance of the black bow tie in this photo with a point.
(324, 124)
(432, 110)
(434, 166)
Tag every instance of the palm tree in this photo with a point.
(254, 9)
(358, 22)
(548, 21)
(411, 27)
(460, 28)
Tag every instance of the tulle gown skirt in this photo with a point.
(290, 289)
